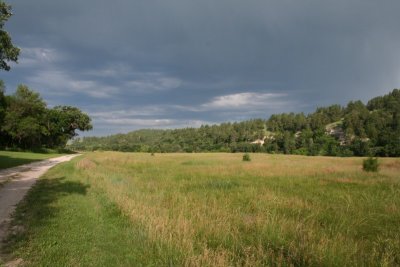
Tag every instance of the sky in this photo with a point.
(134, 64)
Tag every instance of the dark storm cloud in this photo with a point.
(189, 62)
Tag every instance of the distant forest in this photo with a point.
(355, 130)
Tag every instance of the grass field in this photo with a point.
(10, 159)
(125, 209)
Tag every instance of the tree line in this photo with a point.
(358, 129)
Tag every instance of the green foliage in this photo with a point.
(287, 122)
(62, 122)
(3, 106)
(370, 164)
(27, 123)
(325, 115)
(246, 157)
(8, 52)
(24, 113)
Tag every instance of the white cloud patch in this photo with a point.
(151, 82)
(137, 81)
(145, 111)
(245, 100)
(115, 70)
(129, 119)
(38, 57)
(140, 122)
(158, 123)
(60, 83)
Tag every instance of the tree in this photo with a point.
(2, 102)
(288, 143)
(61, 123)
(3, 107)
(8, 52)
(28, 123)
(23, 118)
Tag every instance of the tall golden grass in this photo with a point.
(217, 210)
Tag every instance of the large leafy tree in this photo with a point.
(23, 117)
(8, 52)
(61, 123)
(2, 102)
(28, 123)
(2, 111)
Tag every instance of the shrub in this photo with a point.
(246, 157)
(301, 151)
(370, 164)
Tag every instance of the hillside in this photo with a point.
(356, 129)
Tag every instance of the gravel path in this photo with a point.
(15, 183)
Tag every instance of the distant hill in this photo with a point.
(355, 130)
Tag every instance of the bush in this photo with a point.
(301, 151)
(246, 157)
(370, 164)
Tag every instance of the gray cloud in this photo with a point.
(215, 60)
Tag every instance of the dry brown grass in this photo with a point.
(85, 164)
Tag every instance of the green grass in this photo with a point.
(10, 159)
(125, 209)
(67, 223)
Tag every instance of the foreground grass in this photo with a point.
(120, 209)
(10, 159)
(66, 222)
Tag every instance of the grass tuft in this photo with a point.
(246, 157)
(370, 164)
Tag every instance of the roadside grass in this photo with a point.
(65, 222)
(10, 159)
(132, 209)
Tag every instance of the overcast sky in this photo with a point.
(134, 64)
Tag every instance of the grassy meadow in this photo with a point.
(10, 159)
(210, 209)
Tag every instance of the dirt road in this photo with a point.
(15, 183)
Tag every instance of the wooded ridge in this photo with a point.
(354, 130)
